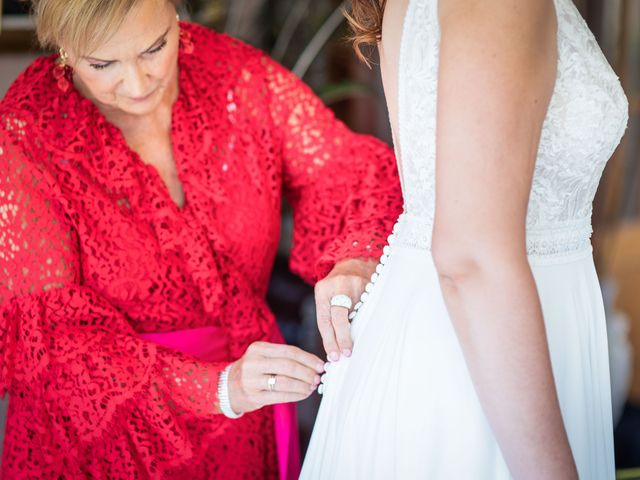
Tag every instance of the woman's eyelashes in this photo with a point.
(100, 66)
(151, 51)
(158, 48)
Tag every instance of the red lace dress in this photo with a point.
(93, 252)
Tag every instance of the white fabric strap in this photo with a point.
(223, 395)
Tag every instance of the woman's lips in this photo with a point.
(141, 99)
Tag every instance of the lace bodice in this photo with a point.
(587, 116)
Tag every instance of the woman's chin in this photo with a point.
(138, 106)
(137, 109)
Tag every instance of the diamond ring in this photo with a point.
(271, 383)
(341, 301)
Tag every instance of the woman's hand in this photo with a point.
(348, 277)
(297, 375)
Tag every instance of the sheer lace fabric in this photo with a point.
(93, 251)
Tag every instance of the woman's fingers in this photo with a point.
(349, 278)
(342, 329)
(325, 325)
(333, 321)
(285, 384)
(297, 374)
(289, 368)
(276, 350)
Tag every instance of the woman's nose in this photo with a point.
(135, 82)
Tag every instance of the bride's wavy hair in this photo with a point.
(365, 18)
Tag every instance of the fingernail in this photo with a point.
(320, 368)
(326, 367)
(334, 356)
(346, 352)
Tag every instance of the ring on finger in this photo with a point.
(271, 382)
(341, 300)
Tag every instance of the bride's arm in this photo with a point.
(496, 76)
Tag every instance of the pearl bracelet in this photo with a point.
(223, 395)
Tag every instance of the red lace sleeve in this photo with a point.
(344, 187)
(65, 345)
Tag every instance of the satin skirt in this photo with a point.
(403, 406)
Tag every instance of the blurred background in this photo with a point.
(309, 37)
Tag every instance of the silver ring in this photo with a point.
(341, 300)
(271, 383)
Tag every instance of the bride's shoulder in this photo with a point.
(497, 14)
(500, 32)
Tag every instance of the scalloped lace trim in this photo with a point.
(553, 241)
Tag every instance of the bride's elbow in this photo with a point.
(454, 261)
(463, 259)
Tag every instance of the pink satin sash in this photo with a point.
(209, 344)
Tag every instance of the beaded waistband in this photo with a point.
(555, 241)
(560, 239)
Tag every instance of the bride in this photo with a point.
(479, 348)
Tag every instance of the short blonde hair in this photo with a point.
(81, 25)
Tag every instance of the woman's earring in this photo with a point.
(186, 42)
(63, 58)
(60, 71)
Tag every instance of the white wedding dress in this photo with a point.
(403, 406)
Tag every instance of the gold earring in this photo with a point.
(61, 71)
(63, 57)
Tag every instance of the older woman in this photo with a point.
(142, 172)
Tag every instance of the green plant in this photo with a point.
(296, 33)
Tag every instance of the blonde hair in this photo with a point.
(365, 19)
(81, 25)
